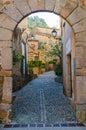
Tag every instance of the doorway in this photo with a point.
(69, 76)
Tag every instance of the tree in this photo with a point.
(57, 51)
(54, 49)
(36, 21)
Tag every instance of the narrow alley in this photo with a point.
(42, 101)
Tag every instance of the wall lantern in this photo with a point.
(32, 37)
(54, 33)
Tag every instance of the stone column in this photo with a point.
(81, 82)
(78, 22)
(6, 72)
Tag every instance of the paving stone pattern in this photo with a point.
(42, 101)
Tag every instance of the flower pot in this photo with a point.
(36, 70)
(42, 70)
(51, 66)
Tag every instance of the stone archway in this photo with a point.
(11, 13)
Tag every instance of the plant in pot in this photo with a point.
(42, 67)
(35, 66)
(51, 64)
(30, 66)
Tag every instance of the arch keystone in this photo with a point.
(50, 4)
(41, 4)
(36, 4)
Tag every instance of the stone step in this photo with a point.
(44, 125)
(49, 128)
(58, 126)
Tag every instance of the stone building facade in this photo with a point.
(34, 52)
(69, 62)
(41, 35)
(73, 89)
(11, 13)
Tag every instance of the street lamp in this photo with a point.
(54, 33)
(32, 37)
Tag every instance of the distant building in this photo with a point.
(32, 49)
(41, 35)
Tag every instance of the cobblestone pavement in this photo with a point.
(42, 101)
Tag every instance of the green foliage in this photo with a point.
(36, 21)
(30, 70)
(34, 63)
(56, 49)
(51, 62)
(43, 65)
(30, 64)
(58, 70)
(17, 58)
(21, 61)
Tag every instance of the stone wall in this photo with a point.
(44, 31)
(69, 62)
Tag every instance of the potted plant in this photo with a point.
(51, 64)
(30, 66)
(42, 67)
(35, 65)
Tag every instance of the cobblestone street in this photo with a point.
(42, 101)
